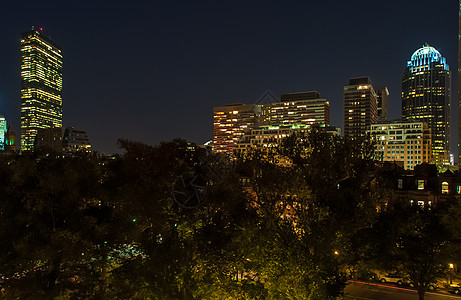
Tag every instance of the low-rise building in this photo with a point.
(272, 136)
(401, 141)
(59, 139)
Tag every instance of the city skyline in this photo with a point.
(154, 72)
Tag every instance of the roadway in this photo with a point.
(373, 291)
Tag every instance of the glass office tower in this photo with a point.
(41, 86)
(426, 85)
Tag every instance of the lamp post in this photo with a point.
(451, 266)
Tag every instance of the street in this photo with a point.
(364, 291)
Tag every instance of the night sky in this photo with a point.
(152, 71)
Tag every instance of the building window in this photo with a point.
(420, 184)
(400, 183)
(458, 189)
(421, 203)
(445, 187)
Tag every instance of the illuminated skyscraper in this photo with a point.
(3, 129)
(459, 83)
(360, 106)
(41, 86)
(426, 98)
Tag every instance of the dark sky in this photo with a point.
(152, 71)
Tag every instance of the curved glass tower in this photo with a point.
(426, 85)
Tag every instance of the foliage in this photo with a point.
(309, 211)
(276, 223)
(417, 241)
(51, 222)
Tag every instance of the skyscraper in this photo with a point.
(459, 83)
(360, 106)
(426, 98)
(3, 129)
(41, 86)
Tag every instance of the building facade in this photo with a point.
(10, 139)
(75, 140)
(426, 88)
(406, 143)
(459, 82)
(59, 139)
(267, 138)
(41, 86)
(382, 93)
(304, 108)
(231, 122)
(360, 106)
(3, 130)
(49, 139)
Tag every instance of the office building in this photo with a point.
(49, 139)
(407, 143)
(59, 139)
(3, 130)
(269, 137)
(75, 140)
(305, 108)
(41, 86)
(231, 122)
(426, 98)
(360, 106)
(10, 139)
(382, 94)
(459, 82)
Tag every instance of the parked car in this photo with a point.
(430, 287)
(367, 275)
(456, 289)
(393, 278)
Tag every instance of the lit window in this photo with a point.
(420, 184)
(445, 187)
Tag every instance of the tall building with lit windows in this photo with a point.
(360, 106)
(41, 86)
(426, 84)
(459, 83)
(3, 129)
(231, 122)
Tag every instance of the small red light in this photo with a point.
(41, 29)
